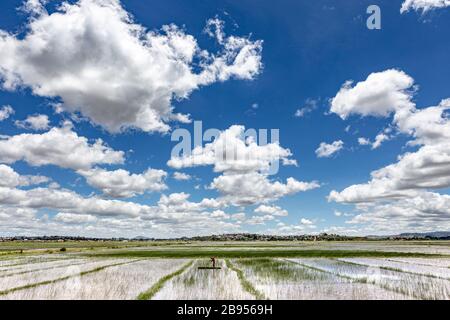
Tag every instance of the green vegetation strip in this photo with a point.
(394, 269)
(32, 285)
(147, 295)
(190, 252)
(364, 280)
(247, 285)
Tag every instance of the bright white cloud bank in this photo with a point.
(253, 188)
(424, 5)
(231, 151)
(10, 178)
(22, 210)
(402, 190)
(93, 56)
(93, 215)
(123, 184)
(70, 218)
(59, 146)
(244, 165)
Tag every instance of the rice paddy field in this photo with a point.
(372, 270)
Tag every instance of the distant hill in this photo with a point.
(435, 235)
(424, 235)
(141, 238)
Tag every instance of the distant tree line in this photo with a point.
(243, 237)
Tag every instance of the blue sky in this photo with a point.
(75, 67)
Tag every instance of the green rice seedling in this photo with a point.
(194, 284)
(122, 282)
(280, 279)
(27, 280)
(415, 286)
(147, 295)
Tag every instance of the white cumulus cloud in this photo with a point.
(59, 146)
(326, 150)
(10, 178)
(100, 63)
(181, 176)
(232, 151)
(36, 122)
(271, 210)
(379, 95)
(378, 141)
(306, 222)
(123, 184)
(310, 106)
(424, 5)
(405, 191)
(74, 218)
(253, 188)
(6, 112)
(364, 141)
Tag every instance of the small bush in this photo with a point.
(63, 250)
